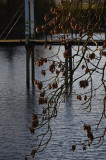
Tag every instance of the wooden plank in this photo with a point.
(53, 42)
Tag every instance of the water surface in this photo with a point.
(17, 103)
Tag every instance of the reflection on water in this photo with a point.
(17, 103)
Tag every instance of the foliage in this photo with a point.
(85, 22)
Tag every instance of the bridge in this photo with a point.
(30, 39)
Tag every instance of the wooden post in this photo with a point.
(27, 67)
(33, 66)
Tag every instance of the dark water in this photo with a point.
(17, 103)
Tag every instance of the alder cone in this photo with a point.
(73, 147)
(84, 148)
(92, 56)
(79, 97)
(49, 87)
(83, 83)
(44, 60)
(44, 111)
(34, 123)
(33, 153)
(66, 54)
(35, 82)
(88, 128)
(39, 85)
(32, 130)
(104, 45)
(85, 127)
(34, 116)
(85, 97)
(42, 100)
(54, 85)
(90, 136)
(57, 72)
(42, 94)
(43, 72)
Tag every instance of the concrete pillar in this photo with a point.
(32, 25)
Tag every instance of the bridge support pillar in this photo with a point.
(29, 32)
(26, 22)
(32, 25)
(33, 66)
(28, 67)
(68, 66)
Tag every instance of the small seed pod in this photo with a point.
(90, 136)
(42, 100)
(54, 85)
(44, 111)
(104, 45)
(79, 97)
(34, 123)
(35, 82)
(66, 54)
(57, 72)
(44, 60)
(83, 83)
(85, 97)
(50, 47)
(84, 148)
(85, 127)
(73, 147)
(92, 56)
(86, 70)
(49, 87)
(33, 152)
(32, 130)
(43, 72)
(34, 117)
(88, 128)
(83, 66)
(39, 85)
(42, 94)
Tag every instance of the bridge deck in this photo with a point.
(53, 42)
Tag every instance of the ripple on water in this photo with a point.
(17, 105)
